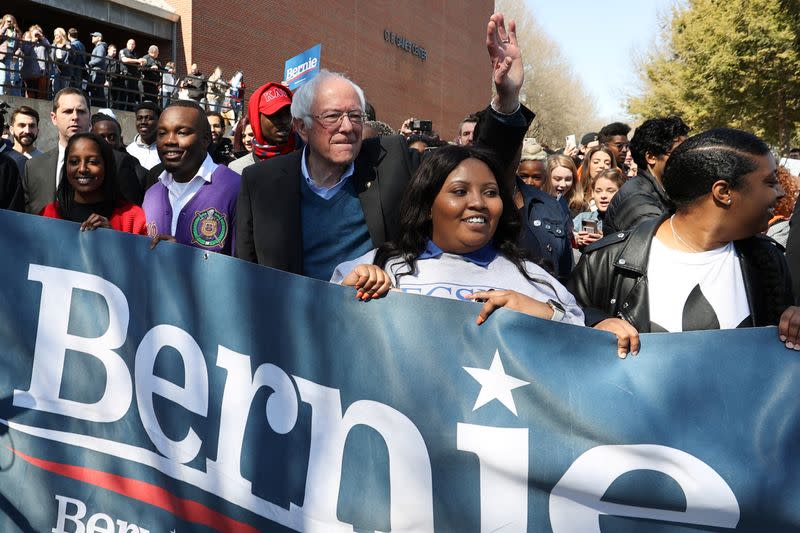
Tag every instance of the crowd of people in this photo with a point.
(660, 232)
(116, 78)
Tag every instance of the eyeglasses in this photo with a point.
(334, 118)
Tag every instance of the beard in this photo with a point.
(25, 140)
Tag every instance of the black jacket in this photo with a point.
(546, 230)
(640, 199)
(16, 157)
(611, 277)
(11, 196)
(130, 176)
(793, 249)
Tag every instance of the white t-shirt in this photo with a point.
(452, 276)
(145, 153)
(696, 291)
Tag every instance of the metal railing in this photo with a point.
(108, 83)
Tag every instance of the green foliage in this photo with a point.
(728, 63)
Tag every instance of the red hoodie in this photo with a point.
(269, 99)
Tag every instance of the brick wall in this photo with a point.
(451, 82)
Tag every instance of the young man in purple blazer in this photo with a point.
(194, 200)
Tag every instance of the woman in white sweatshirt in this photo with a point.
(459, 229)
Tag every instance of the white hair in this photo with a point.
(303, 99)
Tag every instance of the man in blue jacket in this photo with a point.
(97, 70)
(77, 58)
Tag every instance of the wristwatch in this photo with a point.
(558, 310)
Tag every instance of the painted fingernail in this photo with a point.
(622, 355)
(360, 293)
(789, 345)
(783, 338)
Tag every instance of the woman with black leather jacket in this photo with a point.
(706, 266)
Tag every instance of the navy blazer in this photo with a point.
(546, 230)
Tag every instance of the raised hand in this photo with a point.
(508, 72)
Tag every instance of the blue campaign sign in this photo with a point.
(178, 390)
(302, 67)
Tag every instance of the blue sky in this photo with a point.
(583, 29)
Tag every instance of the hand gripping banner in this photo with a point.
(179, 391)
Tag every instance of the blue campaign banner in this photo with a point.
(176, 390)
(302, 67)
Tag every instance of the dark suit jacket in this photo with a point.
(39, 180)
(130, 177)
(268, 219)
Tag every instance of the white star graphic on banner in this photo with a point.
(495, 384)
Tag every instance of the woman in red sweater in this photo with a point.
(88, 192)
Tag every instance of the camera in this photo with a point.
(422, 125)
(3, 110)
(589, 226)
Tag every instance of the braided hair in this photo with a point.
(717, 154)
(65, 194)
(728, 154)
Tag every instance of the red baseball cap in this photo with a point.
(274, 99)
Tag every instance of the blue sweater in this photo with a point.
(334, 230)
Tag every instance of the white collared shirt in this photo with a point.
(323, 192)
(181, 193)
(60, 164)
(145, 153)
